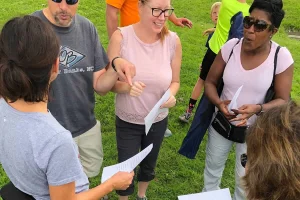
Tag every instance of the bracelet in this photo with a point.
(261, 110)
(112, 63)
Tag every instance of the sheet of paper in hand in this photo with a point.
(223, 194)
(126, 166)
(233, 103)
(156, 110)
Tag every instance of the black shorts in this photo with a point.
(9, 191)
(207, 61)
(131, 138)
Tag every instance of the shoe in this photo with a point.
(168, 133)
(185, 117)
(141, 198)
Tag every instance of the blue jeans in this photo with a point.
(200, 124)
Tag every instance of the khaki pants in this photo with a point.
(90, 150)
(217, 150)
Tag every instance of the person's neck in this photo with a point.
(24, 106)
(242, 1)
(144, 34)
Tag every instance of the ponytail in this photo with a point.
(164, 32)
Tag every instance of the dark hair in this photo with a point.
(273, 155)
(272, 7)
(28, 49)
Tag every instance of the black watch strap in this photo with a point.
(112, 63)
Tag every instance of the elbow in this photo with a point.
(210, 83)
(206, 85)
(101, 92)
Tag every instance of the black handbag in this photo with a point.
(228, 130)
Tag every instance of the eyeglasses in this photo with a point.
(244, 160)
(69, 2)
(259, 25)
(156, 12)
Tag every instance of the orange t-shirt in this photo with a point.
(129, 13)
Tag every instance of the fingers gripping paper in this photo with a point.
(126, 166)
(233, 103)
(156, 110)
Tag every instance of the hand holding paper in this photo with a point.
(156, 110)
(121, 180)
(244, 113)
(171, 102)
(233, 103)
(126, 166)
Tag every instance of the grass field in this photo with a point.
(176, 175)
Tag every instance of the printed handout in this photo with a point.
(156, 110)
(223, 194)
(126, 166)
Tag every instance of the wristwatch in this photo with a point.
(261, 110)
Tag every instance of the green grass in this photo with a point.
(176, 175)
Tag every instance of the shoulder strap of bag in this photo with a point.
(221, 82)
(232, 50)
(275, 65)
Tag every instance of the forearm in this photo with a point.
(106, 81)
(173, 18)
(112, 23)
(121, 87)
(97, 192)
(174, 87)
(273, 103)
(210, 91)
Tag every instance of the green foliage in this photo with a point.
(176, 175)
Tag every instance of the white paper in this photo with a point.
(156, 110)
(233, 103)
(126, 166)
(223, 194)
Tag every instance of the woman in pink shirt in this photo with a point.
(250, 65)
(156, 54)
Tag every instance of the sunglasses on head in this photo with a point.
(69, 2)
(259, 25)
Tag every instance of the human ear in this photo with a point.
(55, 70)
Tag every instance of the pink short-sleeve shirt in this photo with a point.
(256, 81)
